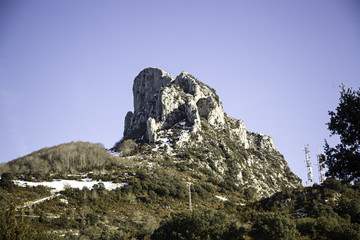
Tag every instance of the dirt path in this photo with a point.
(31, 203)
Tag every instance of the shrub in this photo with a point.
(306, 227)
(271, 226)
(250, 193)
(92, 218)
(333, 184)
(321, 210)
(196, 225)
(127, 147)
(350, 207)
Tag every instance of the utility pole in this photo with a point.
(190, 207)
(308, 166)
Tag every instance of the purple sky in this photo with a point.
(67, 67)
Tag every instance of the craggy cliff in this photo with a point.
(183, 118)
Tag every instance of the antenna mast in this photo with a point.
(308, 166)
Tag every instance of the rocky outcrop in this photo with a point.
(261, 141)
(147, 102)
(183, 115)
(160, 101)
(167, 101)
(237, 131)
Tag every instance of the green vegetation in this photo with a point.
(273, 226)
(6, 181)
(154, 206)
(161, 183)
(196, 225)
(343, 160)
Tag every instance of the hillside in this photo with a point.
(64, 158)
(177, 135)
(152, 206)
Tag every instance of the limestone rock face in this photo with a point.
(167, 101)
(147, 84)
(202, 99)
(238, 131)
(151, 129)
(160, 101)
(184, 119)
(262, 141)
(147, 101)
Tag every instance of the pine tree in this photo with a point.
(343, 160)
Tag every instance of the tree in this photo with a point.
(343, 160)
(12, 227)
(6, 181)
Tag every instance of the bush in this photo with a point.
(271, 226)
(306, 227)
(333, 184)
(162, 183)
(321, 210)
(126, 147)
(326, 228)
(250, 193)
(350, 207)
(201, 224)
(92, 218)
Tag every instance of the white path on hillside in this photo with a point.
(221, 198)
(31, 203)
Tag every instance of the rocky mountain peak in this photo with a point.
(183, 118)
(160, 101)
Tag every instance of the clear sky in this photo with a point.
(67, 67)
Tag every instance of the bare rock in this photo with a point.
(237, 131)
(261, 141)
(151, 129)
(168, 101)
(160, 102)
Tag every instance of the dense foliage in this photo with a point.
(197, 225)
(273, 226)
(343, 160)
(6, 180)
